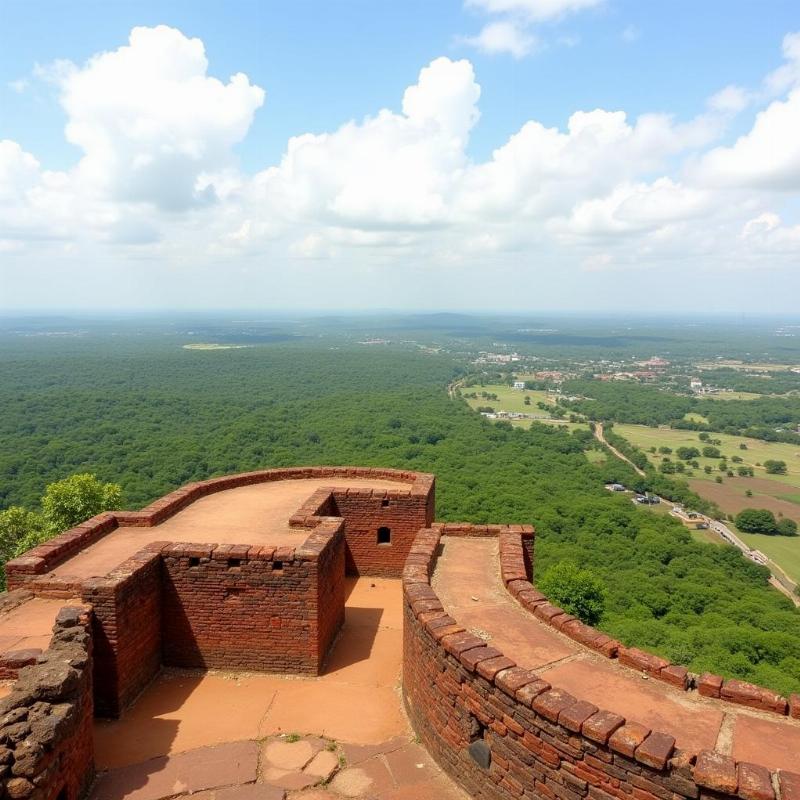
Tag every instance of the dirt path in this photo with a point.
(598, 432)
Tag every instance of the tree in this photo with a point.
(774, 467)
(16, 523)
(757, 520)
(72, 500)
(786, 527)
(577, 591)
(687, 453)
(711, 452)
(703, 437)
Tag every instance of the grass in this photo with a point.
(691, 416)
(596, 456)
(733, 396)
(508, 399)
(757, 452)
(783, 550)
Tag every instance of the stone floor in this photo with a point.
(467, 580)
(236, 737)
(284, 768)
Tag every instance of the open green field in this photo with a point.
(773, 492)
(783, 550)
(692, 416)
(763, 366)
(732, 396)
(756, 453)
(508, 399)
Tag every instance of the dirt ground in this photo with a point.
(730, 495)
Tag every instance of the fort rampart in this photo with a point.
(499, 729)
(231, 606)
(504, 732)
(46, 746)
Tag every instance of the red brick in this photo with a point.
(626, 739)
(574, 716)
(551, 703)
(755, 782)
(601, 725)
(789, 783)
(716, 771)
(709, 685)
(656, 750)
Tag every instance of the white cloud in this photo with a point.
(732, 99)
(151, 122)
(767, 157)
(513, 32)
(534, 10)
(504, 36)
(396, 190)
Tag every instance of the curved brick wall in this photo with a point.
(418, 490)
(502, 732)
(514, 570)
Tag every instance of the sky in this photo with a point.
(578, 155)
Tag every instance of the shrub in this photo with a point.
(711, 452)
(756, 520)
(774, 467)
(786, 527)
(577, 591)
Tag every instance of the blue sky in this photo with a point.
(322, 64)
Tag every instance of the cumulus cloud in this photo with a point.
(767, 157)
(151, 123)
(603, 191)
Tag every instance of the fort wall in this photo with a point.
(253, 608)
(502, 732)
(127, 630)
(46, 721)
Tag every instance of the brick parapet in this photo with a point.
(46, 722)
(274, 609)
(515, 575)
(127, 629)
(26, 569)
(538, 740)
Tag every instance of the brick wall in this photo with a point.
(127, 630)
(253, 608)
(502, 732)
(46, 721)
(515, 564)
(365, 511)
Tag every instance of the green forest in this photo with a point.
(147, 415)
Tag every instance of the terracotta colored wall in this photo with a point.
(42, 760)
(231, 607)
(543, 742)
(127, 630)
(366, 510)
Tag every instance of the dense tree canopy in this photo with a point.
(151, 417)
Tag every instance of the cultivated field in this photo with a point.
(508, 399)
(778, 493)
(757, 452)
(782, 550)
